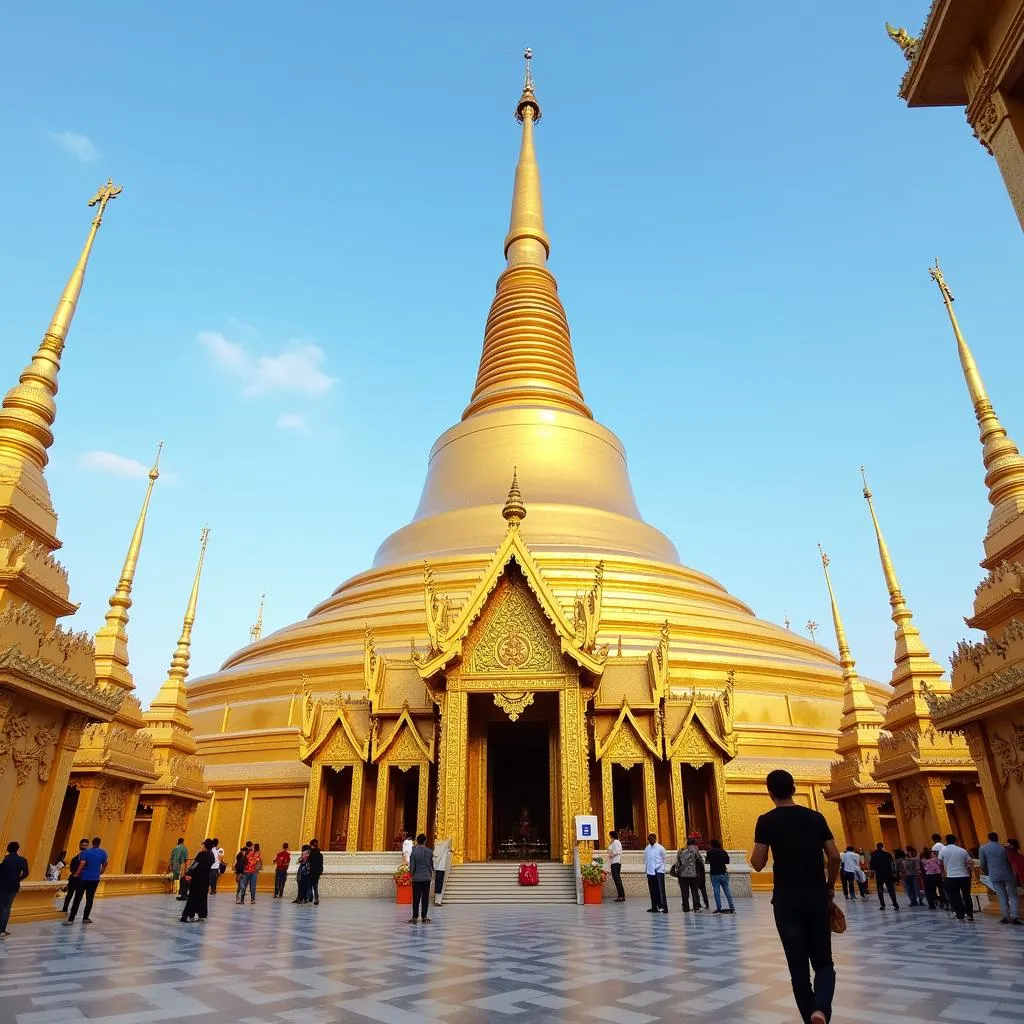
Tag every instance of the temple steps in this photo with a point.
(497, 883)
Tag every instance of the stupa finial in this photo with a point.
(1004, 466)
(514, 511)
(30, 408)
(256, 629)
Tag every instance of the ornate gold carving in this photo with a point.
(1008, 749)
(587, 614)
(974, 696)
(904, 40)
(854, 813)
(514, 635)
(694, 749)
(913, 798)
(111, 802)
(177, 815)
(513, 704)
(438, 610)
(28, 746)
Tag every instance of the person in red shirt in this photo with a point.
(281, 862)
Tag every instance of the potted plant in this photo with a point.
(594, 876)
(403, 885)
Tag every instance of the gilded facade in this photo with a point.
(971, 55)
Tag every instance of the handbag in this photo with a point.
(528, 874)
(836, 918)
(674, 870)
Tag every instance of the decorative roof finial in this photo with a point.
(528, 99)
(1004, 466)
(904, 40)
(514, 511)
(256, 630)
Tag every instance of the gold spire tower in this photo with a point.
(851, 783)
(1004, 466)
(256, 630)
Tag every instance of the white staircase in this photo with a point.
(498, 882)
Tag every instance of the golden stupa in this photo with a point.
(515, 657)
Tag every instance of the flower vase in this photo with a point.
(403, 895)
(592, 893)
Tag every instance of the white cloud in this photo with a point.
(291, 421)
(112, 464)
(297, 369)
(81, 147)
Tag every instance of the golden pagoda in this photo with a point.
(859, 796)
(48, 688)
(518, 655)
(987, 702)
(931, 775)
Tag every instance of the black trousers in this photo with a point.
(313, 893)
(420, 899)
(656, 887)
(702, 890)
(197, 904)
(688, 888)
(88, 889)
(182, 885)
(849, 884)
(933, 891)
(958, 890)
(617, 881)
(438, 883)
(280, 877)
(73, 884)
(802, 920)
(884, 885)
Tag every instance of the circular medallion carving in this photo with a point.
(514, 650)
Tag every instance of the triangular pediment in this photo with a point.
(627, 742)
(337, 743)
(403, 743)
(697, 743)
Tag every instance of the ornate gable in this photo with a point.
(403, 744)
(627, 743)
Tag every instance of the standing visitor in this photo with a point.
(407, 849)
(685, 870)
(702, 881)
(178, 861)
(53, 870)
(241, 859)
(849, 863)
(219, 867)
(654, 865)
(421, 867)
(931, 869)
(799, 839)
(302, 876)
(717, 861)
(73, 882)
(442, 855)
(956, 867)
(281, 862)
(910, 873)
(995, 862)
(91, 865)
(13, 870)
(1016, 858)
(316, 869)
(615, 860)
(885, 875)
(199, 873)
(937, 843)
(253, 867)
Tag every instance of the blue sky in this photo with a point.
(291, 290)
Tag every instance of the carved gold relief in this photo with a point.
(514, 635)
(513, 704)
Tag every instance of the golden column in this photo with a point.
(116, 758)
(851, 784)
(180, 786)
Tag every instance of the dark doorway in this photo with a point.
(520, 782)
(410, 786)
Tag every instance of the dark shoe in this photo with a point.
(69, 922)
(88, 920)
(731, 910)
(426, 920)
(716, 911)
(316, 903)
(413, 920)
(296, 901)
(1016, 920)
(895, 906)
(664, 910)
(1004, 920)
(654, 910)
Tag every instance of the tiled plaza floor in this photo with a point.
(358, 960)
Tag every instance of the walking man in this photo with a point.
(316, 869)
(442, 855)
(956, 866)
(179, 861)
(421, 868)
(281, 862)
(73, 882)
(995, 862)
(91, 865)
(219, 867)
(885, 875)
(685, 870)
(13, 871)
(717, 861)
(797, 838)
(849, 863)
(654, 865)
(615, 860)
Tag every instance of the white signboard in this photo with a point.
(586, 827)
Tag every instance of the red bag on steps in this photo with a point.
(528, 874)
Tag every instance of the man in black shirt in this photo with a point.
(885, 877)
(797, 838)
(73, 881)
(13, 871)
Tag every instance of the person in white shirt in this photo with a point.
(849, 865)
(407, 845)
(53, 870)
(937, 843)
(217, 869)
(442, 855)
(956, 867)
(654, 866)
(615, 860)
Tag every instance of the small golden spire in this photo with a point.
(182, 653)
(514, 511)
(256, 629)
(900, 612)
(527, 356)
(1004, 466)
(29, 408)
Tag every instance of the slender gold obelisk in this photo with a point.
(1004, 466)
(256, 629)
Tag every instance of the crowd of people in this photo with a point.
(691, 869)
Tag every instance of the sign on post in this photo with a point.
(586, 828)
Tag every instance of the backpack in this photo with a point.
(528, 874)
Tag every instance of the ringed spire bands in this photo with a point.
(527, 356)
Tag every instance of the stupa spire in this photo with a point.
(857, 705)
(29, 408)
(1004, 466)
(172, 695)
(527, 356)
(913, 661)
(256, 630)
(514, 509)
(112, 637)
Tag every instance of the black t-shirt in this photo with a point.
(717, 859)
(796, 836)
(13, 868)
(882, 864)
